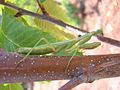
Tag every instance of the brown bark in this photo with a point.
(36, 68)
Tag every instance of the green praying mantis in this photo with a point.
(67, 46)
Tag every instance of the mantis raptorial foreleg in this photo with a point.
(28, 53)
(83, 45)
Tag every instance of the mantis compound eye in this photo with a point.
(18, 14)
(79, 35)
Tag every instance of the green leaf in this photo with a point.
(13, 12)
(53, 29)
(11, 87)
(57, 12)
(17, 34)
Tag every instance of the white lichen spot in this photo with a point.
(5, 57)
(77, 68)
(108, 59)
(15, 63)
(99, 61)
(24, 77)
(17, 72)
(21, 65)
(37, 74)
(34, 71)
(32, 63)
(16, 56)
(52, 74)
(25, 74)
(91, 60)
(3, 62)
(9, 74)
(57, 63)
(73, 70)
(68, 70)
(5, 73)
(78, 72)
(68, 74)
(80, 76)
(48, 71)
(52, 71)
(45, 75)
(92, 65)
(101, 57)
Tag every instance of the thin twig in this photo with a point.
(43, 17)
(42, 8)
(71, 84)
(108, 40)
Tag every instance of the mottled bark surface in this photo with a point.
(35, 68)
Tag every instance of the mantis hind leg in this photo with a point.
(42, 39)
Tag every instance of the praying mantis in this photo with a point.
(66, 46)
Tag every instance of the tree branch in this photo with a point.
(108, 40)
(36, 68)
(41, 7)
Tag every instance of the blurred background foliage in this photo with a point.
(35, 26)
(68, 8)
